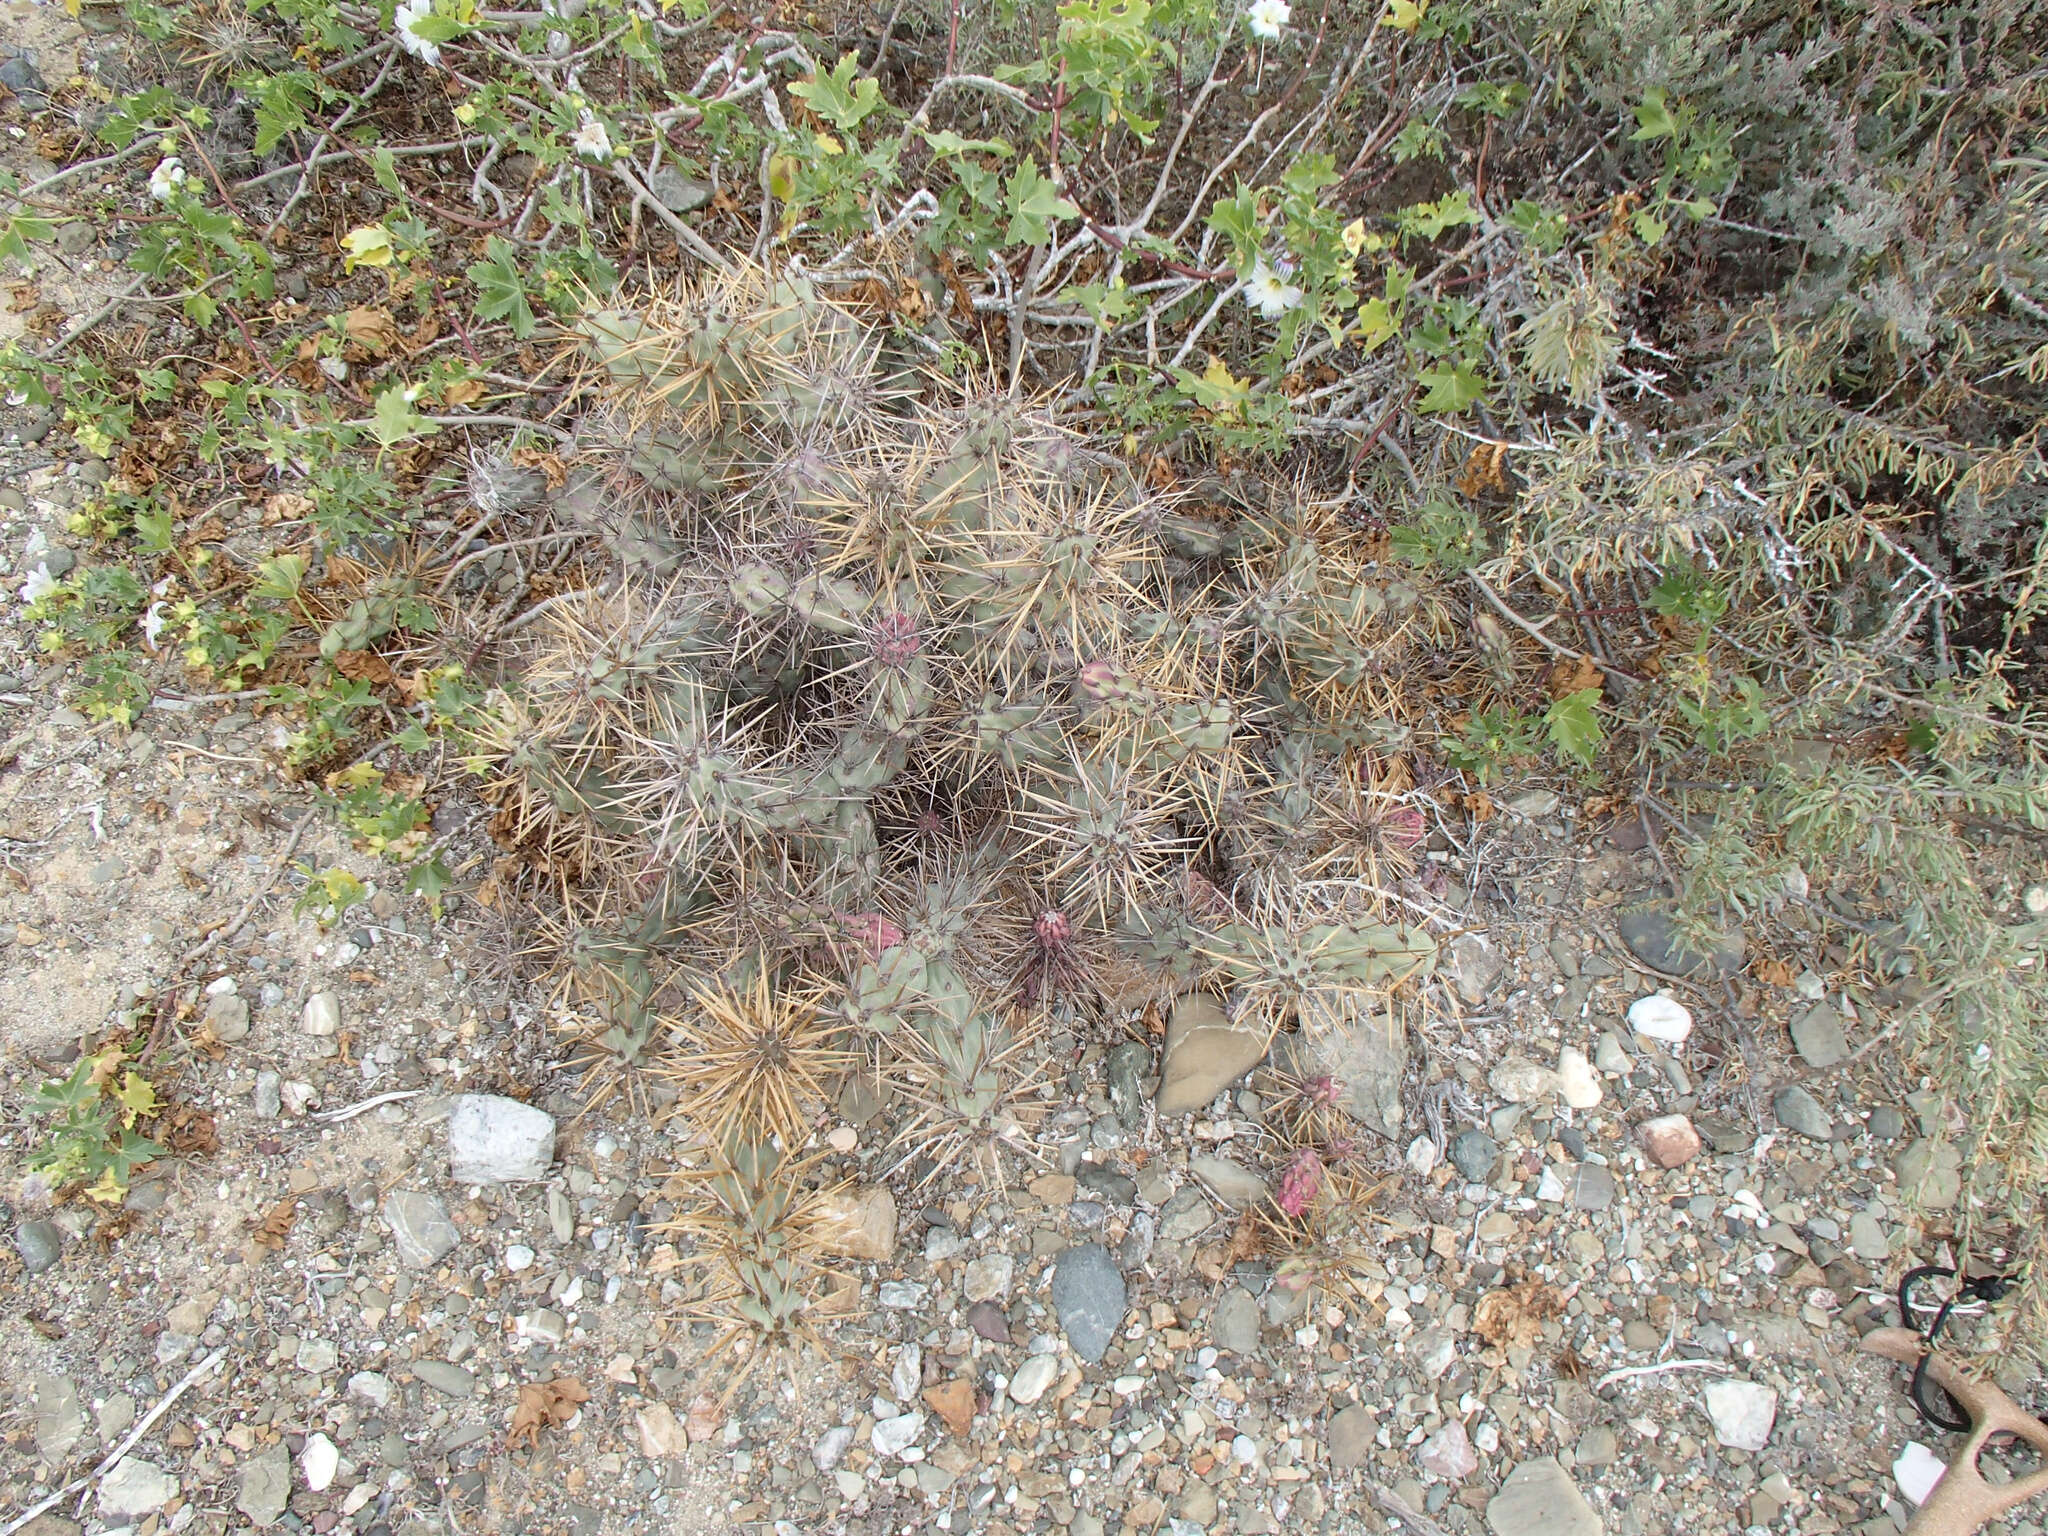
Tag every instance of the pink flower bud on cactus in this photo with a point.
(872, 932)
(1403, 826)
(896, 639)
(1052, 929)
(1299, 1182)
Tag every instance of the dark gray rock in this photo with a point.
(20, 75)
(1592, 1187)
(1473, 1154)
(1107, 1185)
(1652, 936)
(1800, 1112)
(1887, 1123)
(40, 1245)
(1089, 1295)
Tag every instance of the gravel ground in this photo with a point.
(1550, 1333)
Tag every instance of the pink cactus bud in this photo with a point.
(872, 932)
(1299, 1182)
(896, 639)
(1052, 929)
(1403, 826)
(1102, 679)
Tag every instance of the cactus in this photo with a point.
(947, 723)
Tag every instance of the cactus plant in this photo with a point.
(944, 721)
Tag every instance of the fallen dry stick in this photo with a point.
(1963, 1502)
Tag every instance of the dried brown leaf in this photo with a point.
(544, 1405)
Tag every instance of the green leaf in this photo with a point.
(1573, 725)
(429, 879)
(1236, 218)
(1452, 387)
(395, 420)
(500, 289)
(384, 166)
(17, 230)
(946, 142)
(1034, 205)
(1654, 119)
(280, 577)
(837, 97)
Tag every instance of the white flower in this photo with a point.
(401, 23)
(1267, 18)
(591, 141)
(1268, 291)
(40, 584)
(168, 176)
(152, 623)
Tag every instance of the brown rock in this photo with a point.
(953, 1401)
(856, 1223)
(704, 1418)
(1670, 1140)
(1205, 1053)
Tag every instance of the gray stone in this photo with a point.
(1205, 1053)
(561, 1215)
(1592, 1187)
(1365, 1058)
(1742, 1413)
(1931, 1174)
(1867, 1238)
(1610, 1056)
(1089, 1296)
(1887, 1123)
(1818, 1036)
(372, 1387)
(1473, 1154)
(20, 75)
(1539, 1498)
(452, 1380)
(227, 1016)
(1232, 1183)
(1597, 1447)
(39, 1243)
(421, 1227)
(267, 1098)
(1126, 1071)
(1350, 1437)
(60, 1417)
(1724, 1136)
(1186, 1216)
(1235, 1324)
(1800, 1112)
(1653, 937)
(1475, 967)
(676, 192)
(495, 1140)
(133, 1486)
(1107, 1185)
(1521, 1081)
(266, 1485)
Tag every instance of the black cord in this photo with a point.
(1987, 1288)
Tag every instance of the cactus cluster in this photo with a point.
(906, 720)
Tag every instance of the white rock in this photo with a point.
(831, 1447)
(517, 1257)
(1918, 1469)
(1520, 1081)
(1422, 1155)
(136, 1487)
(494, 1140)
(221, 986)
(907, 1375)
(1658, 1017)
(1579, 1083)
(892, 1437)
(323, 1014)
(1742, 1413)
(1550, 1187)
(1032, 1378)
(319, 1461)
(370, 1387)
